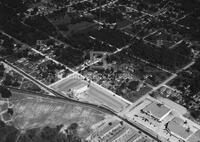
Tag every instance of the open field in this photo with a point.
(94, 93)
(37, 112)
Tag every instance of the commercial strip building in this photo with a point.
(118, 131)
(157, 110)
(164, 121)
(180, 129)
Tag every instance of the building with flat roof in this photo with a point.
(195, 137)
(80, 88)
(108, 128)
(156, 110)
(178, 128)
(118, 135)
(116, 131)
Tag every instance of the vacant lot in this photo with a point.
(94, 93)
(34, 112)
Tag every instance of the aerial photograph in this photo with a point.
(99, 70)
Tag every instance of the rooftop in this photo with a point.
(159, 111)
(80, 86)
(195, 137)
(134, 137)
(176, 127)
(118, 134)
(108, 127)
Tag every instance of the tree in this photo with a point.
(195, 113)
(2, 69)
(5, 93)
(8, 80)
(48, 133)
(7, 133)
(133, 85)
(17, 5)
(10, 111)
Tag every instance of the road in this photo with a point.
(134, 22)
(133, 9)
(78, 102)
(176, 44)
(104, 5)
(103, 107)
(127, 110)
(94, 92)
(59, 96)
(160, 12)
(49, 58)
(36, 51)
(157, 87)
(58, 9)
(56, 94)
(29, 93)
(106, 98)
(87, 104)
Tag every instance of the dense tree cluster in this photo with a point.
(82, 6)
(190, 78)
(133, 85)
(6, 15)
(7, 46)
(46, 134)
(85, 43)
(113, 37)
(188, 5)
(110, 15)
(183, 49)
(195, 114)
(68, 55)
(42, 23)
(5, 93)
(125, 2)
(7, 133)
(164, 57)
(2, 69)
(60, 2)
(18, 5)
(10, 47)
(24, 33)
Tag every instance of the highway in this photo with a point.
(61, 97)
(106, 98)
(94, 92)
(57, 95)
(30, 93)
(69, 83)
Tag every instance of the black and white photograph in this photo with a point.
(99, 70)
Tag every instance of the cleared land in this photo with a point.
(94, 93)
(37, 112)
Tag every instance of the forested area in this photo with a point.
(46, 134)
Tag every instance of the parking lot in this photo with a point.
(94, 93)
